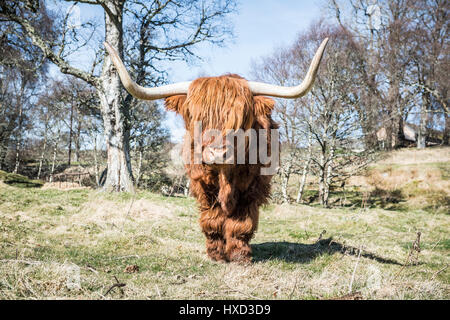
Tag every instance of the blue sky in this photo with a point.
(260, 27)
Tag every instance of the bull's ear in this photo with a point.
(263, 110)
(175, 103)
(263, 106)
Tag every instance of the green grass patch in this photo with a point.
(19, 181)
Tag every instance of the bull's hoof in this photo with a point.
(217, 257)
(215, 249)
(216, 254)
(242, 257)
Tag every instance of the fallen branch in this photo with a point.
(115, 285)
(22, 261)
(436, 274)
(243, 293)
(321, 236)
(351, 296)
(293, 289)
(350, 287)
(129, 256)
(90, 268)
(435, 245)
(414, 248)
(157, 290)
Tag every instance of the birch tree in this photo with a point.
(278, 68)
(22, 67)
(333, 120)
(148, 139)
(429, 66)
(380, 29)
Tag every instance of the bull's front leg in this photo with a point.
(211, 222)
(239, 229)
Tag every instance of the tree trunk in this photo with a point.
(286, 174)
(139, 168)
(305, 170)
(70, 135)
(394, 117)
(422, 132)
(97, 179)
(77, 141)
(446, 138)
(186, 187)
(322, 178)
(55, 150)
(329, 172)
(115, 113)
(19, 138)
(5, 132)
(5, 136)
(16, 166)
(3, 152)
(41, 160)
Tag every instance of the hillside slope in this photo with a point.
(409, 179)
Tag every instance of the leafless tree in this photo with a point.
(193, 21)
(322, 132)
(279, 68)
(403, 45)
(148, 139)
(21, 69)
(429, 70)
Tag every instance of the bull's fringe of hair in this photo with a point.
(221, 103)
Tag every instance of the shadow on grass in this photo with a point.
(377, 198)
(303, 253)
(19, 181)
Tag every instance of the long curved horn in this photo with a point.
(260, 88)
(140, 92)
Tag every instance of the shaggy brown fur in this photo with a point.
(229, 195)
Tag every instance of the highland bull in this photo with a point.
(229, 193)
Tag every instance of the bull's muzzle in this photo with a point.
(217, 151)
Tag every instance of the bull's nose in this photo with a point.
(215, 155)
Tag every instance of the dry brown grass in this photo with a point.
(418, 178)
(415, 156)
(62, 185)
(48, 230)
(46, 233)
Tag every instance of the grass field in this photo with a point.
(82, 244)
